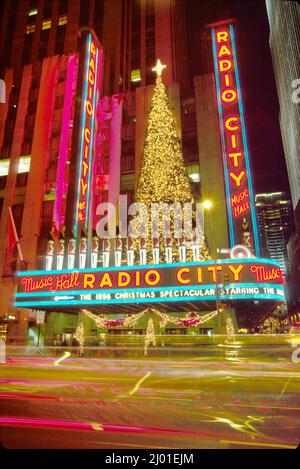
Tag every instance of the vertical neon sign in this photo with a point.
(91, 70)
(66, 130)
(236, 165)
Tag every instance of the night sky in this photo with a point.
(257, 82)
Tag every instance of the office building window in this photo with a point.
(135, 45)
(27, 49)
(22, 179)
(26, 147)
(46, 24)
(9, 33)
(5, 152)
(43, 46)
(3, 180)
(62, 20)
(63, 6)
(30, 29)
(84, 12)
(32, 12)
(98, 18)
(60, 39)
(48, 9)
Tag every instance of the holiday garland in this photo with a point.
(191, 319)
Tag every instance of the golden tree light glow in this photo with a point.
(163, 178)
(79, 335)
(150, 336)
(191, 319)
(158, 68)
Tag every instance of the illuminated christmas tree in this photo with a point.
(150, 336)
(163, 177)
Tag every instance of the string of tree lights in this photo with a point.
(191, 319)
(163, 177)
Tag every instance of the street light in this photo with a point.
(207, 205)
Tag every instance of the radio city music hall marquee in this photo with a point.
(246, 279)
(236, 165)
(93, 63)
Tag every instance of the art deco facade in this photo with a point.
(40, 63)
(275, 216)
(284, 20)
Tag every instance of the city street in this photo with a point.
(206, 399)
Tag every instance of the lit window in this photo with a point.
(194, 177)
(33, 12)
(63, 19)
(135, 75)
(46, 24)
(24, 165)
(30, 28)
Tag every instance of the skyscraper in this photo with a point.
(42, 50)
(275, 219)
(284, 20)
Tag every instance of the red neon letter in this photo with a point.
(237, 179)
(227, 81)
(233, 141)
(92, 65)
(228, 96)
(214, 269)
(229, 125)
(88, 280)
(155, 280)
(236, 271)
(89, 108)
(225, 65)
(85, 168)
(83, 186)
(224, 51)
(222, 36)
(235, 157)
(106, 281)
(92, 48)
(87, 134)
(123, 279)
(179, 276)
(91, 78)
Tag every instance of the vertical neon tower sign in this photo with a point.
(236, 165)
(87, 132)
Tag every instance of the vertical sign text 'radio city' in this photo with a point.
(237, 175)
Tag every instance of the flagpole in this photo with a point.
(16, 235)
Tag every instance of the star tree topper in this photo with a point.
(158, 68)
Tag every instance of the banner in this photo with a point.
(239, 279)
